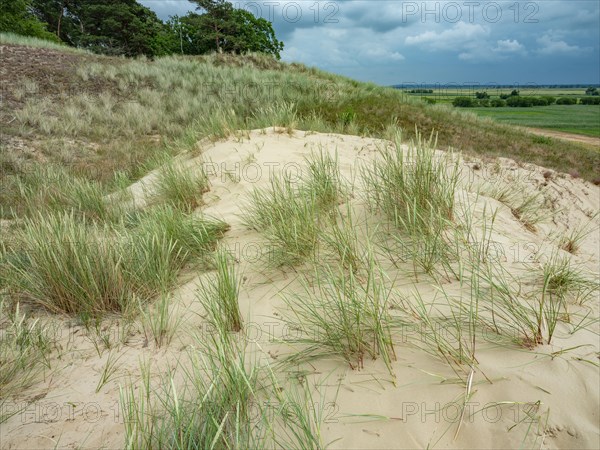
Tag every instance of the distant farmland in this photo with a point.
(577, 119)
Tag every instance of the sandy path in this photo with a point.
(565, 136)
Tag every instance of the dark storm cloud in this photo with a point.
(391, 41)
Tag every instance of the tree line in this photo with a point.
(522, 102)
(125, 27)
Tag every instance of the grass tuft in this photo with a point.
(290, 212)
(25, 345)
(414, 188)
(181, 187)
(223, 399)
(68, 266)
(54, 190)
(161, 322)
(343, 316)
(219, 297)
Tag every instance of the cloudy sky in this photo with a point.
(445, 42)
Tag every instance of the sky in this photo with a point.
(434, 42)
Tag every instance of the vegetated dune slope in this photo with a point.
(528, 395)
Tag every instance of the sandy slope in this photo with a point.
(422, 410)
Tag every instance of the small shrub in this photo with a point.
(521, 102)
(347, 117)
(539, 101)
(589, 100)
(541, 139)
(463, 102)
(566, 101)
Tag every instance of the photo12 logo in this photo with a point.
(293, 12)
(454, 12)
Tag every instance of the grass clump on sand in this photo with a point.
(287, 218)
(161, 321)
(181, 187)
(343, 316)
(412, 185)
(219, 297)
(528, 208)
(24, 348)
(344, 241)
(566, 281)
(571, 241)
(210, 408)
(324, 181)
(68, 266)
(562, 282)
(528, 318)
(220, 398)
(414, 188)
(290, 212)
(447, 330)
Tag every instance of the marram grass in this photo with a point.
(66, 265)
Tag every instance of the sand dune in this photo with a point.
(546, 396)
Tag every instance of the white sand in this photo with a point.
(68, 413)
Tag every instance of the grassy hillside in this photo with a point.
(111, 119)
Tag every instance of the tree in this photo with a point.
(223, 28)
(216, 22)
(54, 14)
(592, 91)
(16, 16)
(482, 95)
(252, 34)
(117, 27)
(189, 37)
(125, 27)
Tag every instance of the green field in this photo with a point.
(578, 119)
